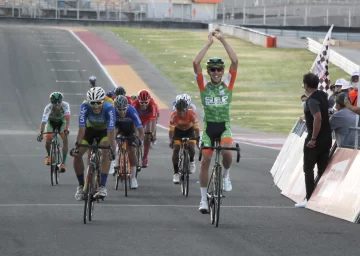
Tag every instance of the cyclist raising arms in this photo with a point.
(183, 123)
(127, 119)
(216, 96)
(147, 110)
(96, 119)
(56, 116)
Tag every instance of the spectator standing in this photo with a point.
(318, 142)
(342, 120)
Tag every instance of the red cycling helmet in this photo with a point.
(144, 96)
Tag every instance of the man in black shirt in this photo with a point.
(318, 142)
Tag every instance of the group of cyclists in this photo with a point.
(105, 115)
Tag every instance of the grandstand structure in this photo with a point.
(174, 10)
(343, 13)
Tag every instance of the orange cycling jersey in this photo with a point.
(184, 123)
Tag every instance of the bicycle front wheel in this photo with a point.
(218, 194)
(53, 164)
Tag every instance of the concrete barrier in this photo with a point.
(247, 34)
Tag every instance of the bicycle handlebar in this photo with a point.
(236, 148)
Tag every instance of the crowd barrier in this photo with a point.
(247, 34)
(338, 190)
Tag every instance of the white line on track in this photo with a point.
(148, 205)
(59, 52)
(68, 70)
(74, 82)
(77, 94)
(53, 45)
(64, 60)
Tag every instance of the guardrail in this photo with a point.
(335, 58)
(256, 37)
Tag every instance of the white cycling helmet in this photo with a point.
(177, 97)
(186, 97)
(95, 94)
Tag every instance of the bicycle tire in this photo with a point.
(52, 163)
(187, 173)
(139, 160)
(86, 194)
(91, 193)
(210, 197)
(182, 173)
(58, 163)
(218, 193)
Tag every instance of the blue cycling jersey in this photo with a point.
(131, 116)
(104, 120)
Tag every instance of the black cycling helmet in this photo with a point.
(92, 80)
(215, 62)
(181, 104)
(120, 91)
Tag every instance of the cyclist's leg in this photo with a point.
(204, 167)
(175, 160)
(65, 146)
(226, 141)
(131, 141)
(191, 147)
(48, 138)
(105, 161)
(79, 163)
(147, 141)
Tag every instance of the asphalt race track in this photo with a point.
(39, 219)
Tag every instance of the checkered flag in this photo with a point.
(321, 64)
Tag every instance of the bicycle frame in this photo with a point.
(215, 185)
(123, 173)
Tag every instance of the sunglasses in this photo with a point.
(144, 103)
(121, 109)
(93, 103)
(216, 69)
(57, 103)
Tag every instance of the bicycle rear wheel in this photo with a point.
(139, 159)
(53, 166)
(218, 194)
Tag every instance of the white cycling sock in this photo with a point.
(133, 172)
(203, 193)
(226, 173)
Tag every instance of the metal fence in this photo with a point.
(81, 9)
(290, 12)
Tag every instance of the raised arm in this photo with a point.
(232, 55)
(198, 58)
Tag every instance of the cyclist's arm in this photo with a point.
(45, 117)
(172, 125)
(137, 122)
(171, 135)
(81, 134)
(232, 55)
(82, 121)
(110, 114)
(141, 133)
(198, 58)
(67, 114)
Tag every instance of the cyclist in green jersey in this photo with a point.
(56, 115)
(216, 96)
